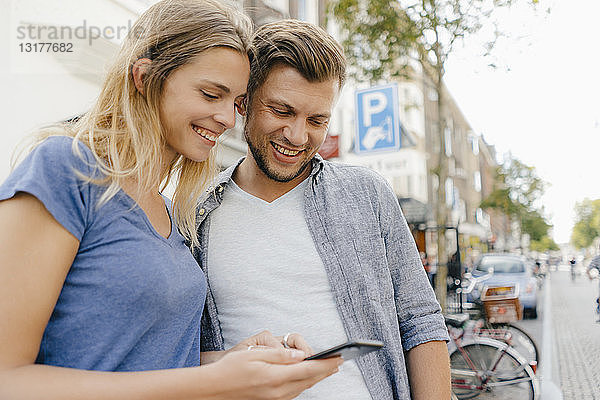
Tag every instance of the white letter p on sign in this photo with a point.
(373, 103)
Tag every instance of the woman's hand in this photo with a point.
(264, 339)
(296, 341)
(271, 374)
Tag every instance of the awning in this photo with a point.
(466, 228)
(414, 211)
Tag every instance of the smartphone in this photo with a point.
(349, 350)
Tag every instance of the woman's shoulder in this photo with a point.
(62, 145)
(62, 152)
(55, 174)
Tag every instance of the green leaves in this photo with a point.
(587, 223)
(377, 35)
(380, 36)
(516, 194)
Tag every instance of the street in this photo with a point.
(573, 364)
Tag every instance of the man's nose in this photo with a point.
(295, 132)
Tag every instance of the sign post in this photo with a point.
(378, 120)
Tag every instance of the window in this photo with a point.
(501, 265)
(302, 10)
(448, 141)
(449, 192)
(477, 181)
(475, 145)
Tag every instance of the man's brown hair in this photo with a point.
(303, 46)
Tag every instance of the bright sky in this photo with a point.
(542, 103)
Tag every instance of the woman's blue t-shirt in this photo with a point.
(132, 300)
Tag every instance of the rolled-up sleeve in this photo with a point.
(419, 313)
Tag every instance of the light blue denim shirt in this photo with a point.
(378, 282)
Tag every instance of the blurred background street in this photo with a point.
(576, 334)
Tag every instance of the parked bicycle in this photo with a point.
(502, 327)
(487, 368)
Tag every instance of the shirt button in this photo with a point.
(201, 212)
(220, 188)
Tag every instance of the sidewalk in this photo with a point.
(576, 337)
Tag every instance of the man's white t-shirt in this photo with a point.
(265, 273)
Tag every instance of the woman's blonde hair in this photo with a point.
(123, 128)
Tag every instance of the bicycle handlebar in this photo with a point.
(473, 281)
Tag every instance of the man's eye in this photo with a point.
(277, 111)
(319, 122)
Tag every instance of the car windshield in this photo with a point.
(501, 265)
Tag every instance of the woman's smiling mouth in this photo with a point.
(205, 133)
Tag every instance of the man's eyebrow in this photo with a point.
(283, 104)
(278, 103)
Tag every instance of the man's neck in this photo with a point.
(250, 178)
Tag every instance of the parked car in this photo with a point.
(508, 269)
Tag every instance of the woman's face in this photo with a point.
(199, 101)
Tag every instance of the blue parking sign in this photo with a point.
(377, 119)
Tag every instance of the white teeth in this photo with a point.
(286, 151)
(204, 133)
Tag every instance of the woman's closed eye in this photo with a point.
(208, 95)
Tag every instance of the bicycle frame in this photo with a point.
(483, 376)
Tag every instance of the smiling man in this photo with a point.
(291, 242)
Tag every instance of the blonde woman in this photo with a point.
(100, 297)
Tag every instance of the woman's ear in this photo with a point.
(139, 71)
(241, 105)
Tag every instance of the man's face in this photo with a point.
(287, 122)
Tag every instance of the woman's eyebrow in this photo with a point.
(218, 85)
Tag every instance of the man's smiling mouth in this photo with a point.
(284, 151)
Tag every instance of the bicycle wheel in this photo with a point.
(488, 369)
(521, 341)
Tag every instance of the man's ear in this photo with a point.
(139, 71)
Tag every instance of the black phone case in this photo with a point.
(349, 350)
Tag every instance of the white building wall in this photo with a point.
(280, 5)
(412, 108)
(405, 170)
(44, 87)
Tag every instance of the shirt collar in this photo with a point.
(225, 176)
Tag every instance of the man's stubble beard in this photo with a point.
(260, 157)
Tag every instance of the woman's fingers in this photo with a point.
(274, 374)
(291, 389)
(277, 356)
(299, 370)
(266, 338)
(314, 369)
(260, 340)
(295, 341)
